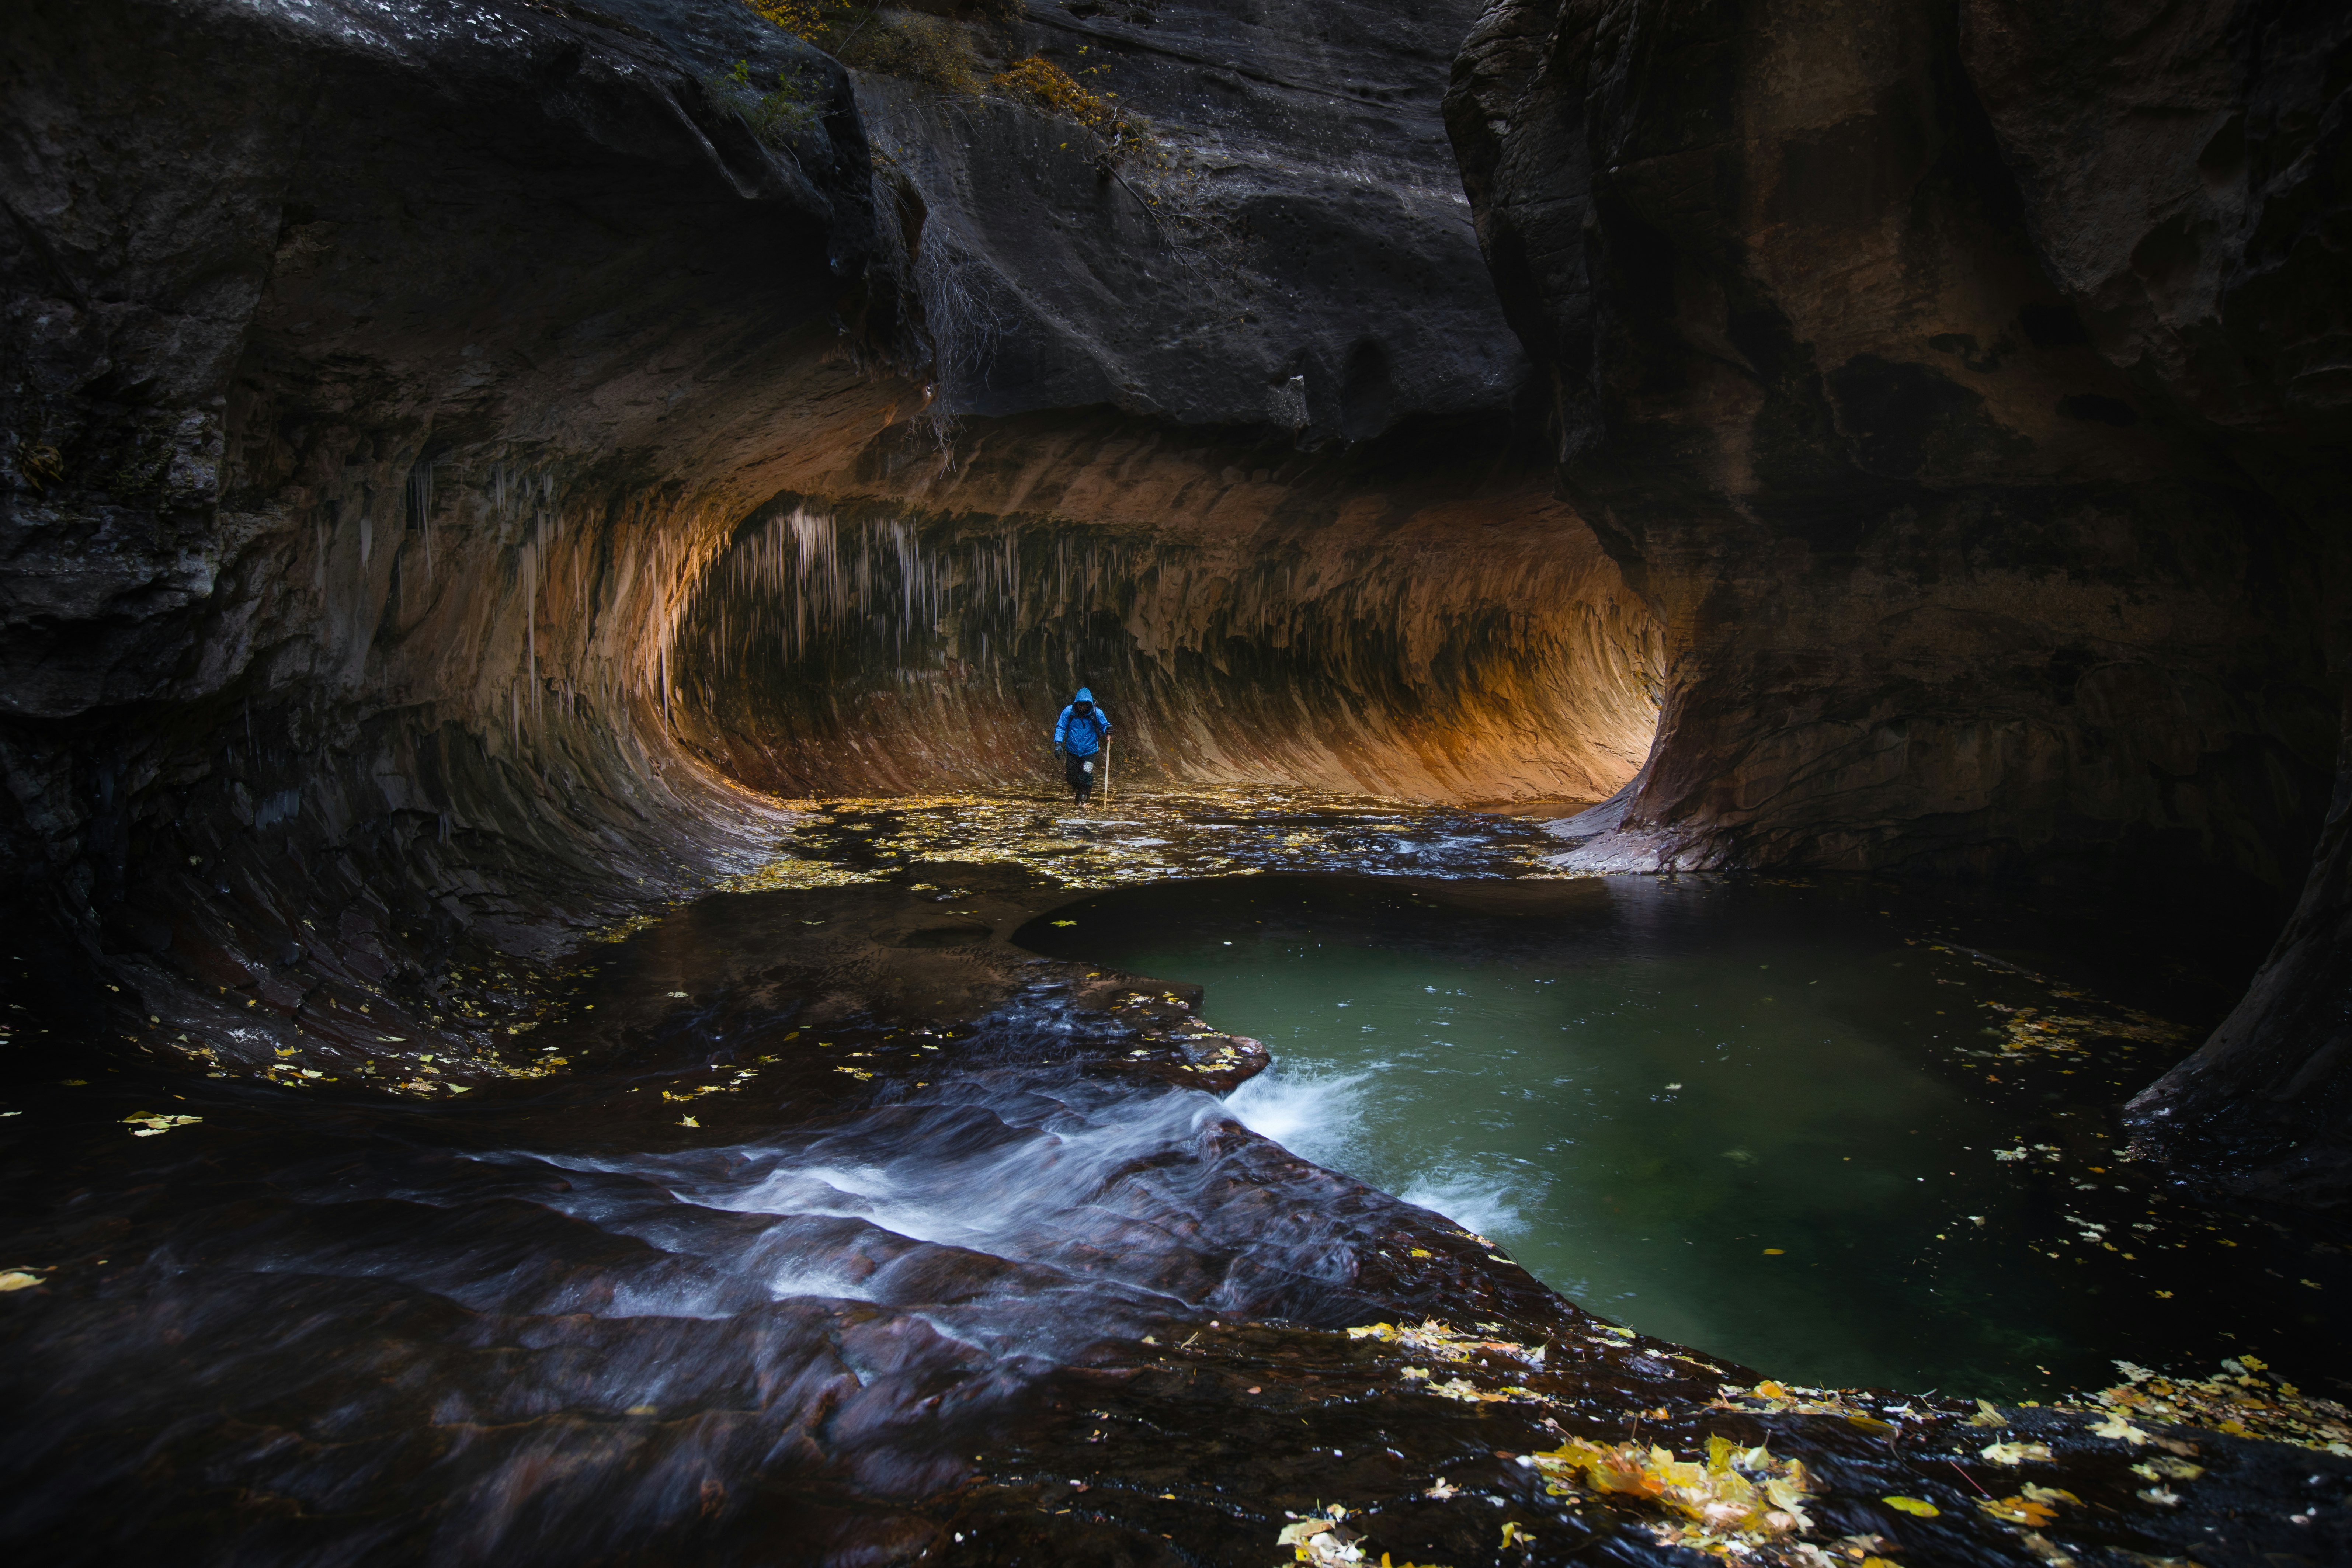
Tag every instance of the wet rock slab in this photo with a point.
(853, 1234)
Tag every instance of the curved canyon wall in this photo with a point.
(409, 404)
(390, 380)
(1313, 623)
(1962, 384)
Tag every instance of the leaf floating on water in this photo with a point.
(146, 1125)
(687, 1121)
(1912, 1505)
(1066, 922)
(18, 1279)
(1441, 1491)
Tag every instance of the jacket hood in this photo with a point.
(1084, 696)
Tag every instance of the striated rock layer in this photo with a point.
(1960, 385)
(400, 393)
(1325, 620)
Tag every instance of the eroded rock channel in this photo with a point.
(552, 1014)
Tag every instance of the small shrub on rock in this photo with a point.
(775, 117)
(1038, 80)
(886, 42)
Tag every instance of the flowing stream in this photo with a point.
(742, 1259)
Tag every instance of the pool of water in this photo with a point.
(1838, 1133)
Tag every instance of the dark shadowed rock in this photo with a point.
(2185, 183)
(1937, 378)
(1291, 247)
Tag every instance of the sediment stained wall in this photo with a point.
(385, 375)
(1481, 650)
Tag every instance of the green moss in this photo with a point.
(775, 117)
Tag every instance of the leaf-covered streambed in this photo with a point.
(818, 1222)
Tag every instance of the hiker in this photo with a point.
(1080, 736)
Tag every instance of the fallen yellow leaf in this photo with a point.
(2018, 1511)
(2015, 1453)
(18, 1279)
(2116, 1426)
(1912, 1505)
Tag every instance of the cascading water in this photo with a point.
(564, 1326)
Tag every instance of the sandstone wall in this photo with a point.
(387, 377)
(1960, 385)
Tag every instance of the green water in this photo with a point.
(1759, 1118)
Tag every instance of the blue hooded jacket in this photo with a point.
(1081, 735)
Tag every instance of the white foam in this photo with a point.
(1316, 1116)
(1478, 1202)
(1320, 1116)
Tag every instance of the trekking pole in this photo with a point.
(1105, 769)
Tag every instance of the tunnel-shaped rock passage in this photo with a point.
(386, 556)
(861, 649)
(464, 462)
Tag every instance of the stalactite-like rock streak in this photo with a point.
(868, 646)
